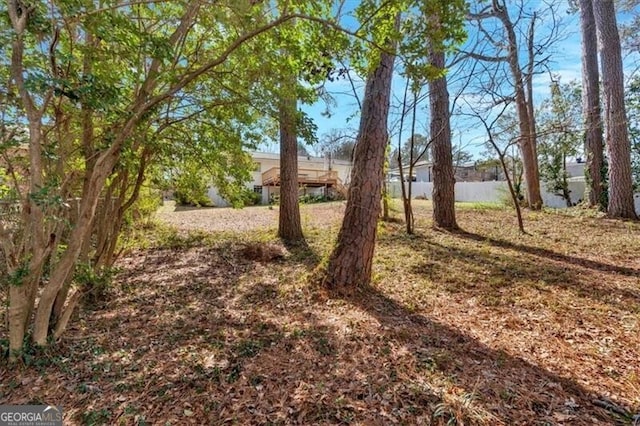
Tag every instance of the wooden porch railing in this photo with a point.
(305, 177)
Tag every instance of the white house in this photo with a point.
(422, 172)
(316, 175)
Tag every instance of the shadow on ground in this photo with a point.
(496, 387)
(552, 255)
(202, 335)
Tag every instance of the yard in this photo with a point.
(482, 327)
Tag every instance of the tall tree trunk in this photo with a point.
(534, 188)
(525, 117)
(64, 268)
(444, 213)
(289, 225)
(351, 260)
(616, 132)
(594, 144)
(18, 308)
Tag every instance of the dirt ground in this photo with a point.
(214, 219)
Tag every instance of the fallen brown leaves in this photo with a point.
(479, 327)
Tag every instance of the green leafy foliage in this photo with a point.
(633, 115)
(560, 136)
(191, 185)
(437, 24)
(147, 203)
(94, 282)
(18, 275)
(251, 198)
(307, 129)
(312, 198)
(6, 188)
(122, 99)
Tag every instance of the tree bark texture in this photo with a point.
(67, 262)
(444, 214)
(289, 225)
(22, 295)
(526, 125)
(615, 120)
(351, 260)
(594, 144)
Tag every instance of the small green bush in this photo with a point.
(190, 198)
(95, 282)
(252, 198)
(312, 198)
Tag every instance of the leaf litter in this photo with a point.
(479, 327)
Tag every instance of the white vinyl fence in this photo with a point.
(493, 192)
(474, 192)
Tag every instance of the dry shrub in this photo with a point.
(263, 252)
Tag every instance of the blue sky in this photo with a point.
(565, 63)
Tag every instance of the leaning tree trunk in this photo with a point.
(616, 135)
(593, 142)
(406, 197)
(444, 213)
(289, 226)
(351, 260)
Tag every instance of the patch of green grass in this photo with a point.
(96, 417)
(479, 206)
(324, 346)
(234, 373)
(248, 348)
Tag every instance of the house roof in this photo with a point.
(405, 168)
(275, 156)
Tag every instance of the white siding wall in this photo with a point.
(216, 199)
(344, 171)
(423, 173)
